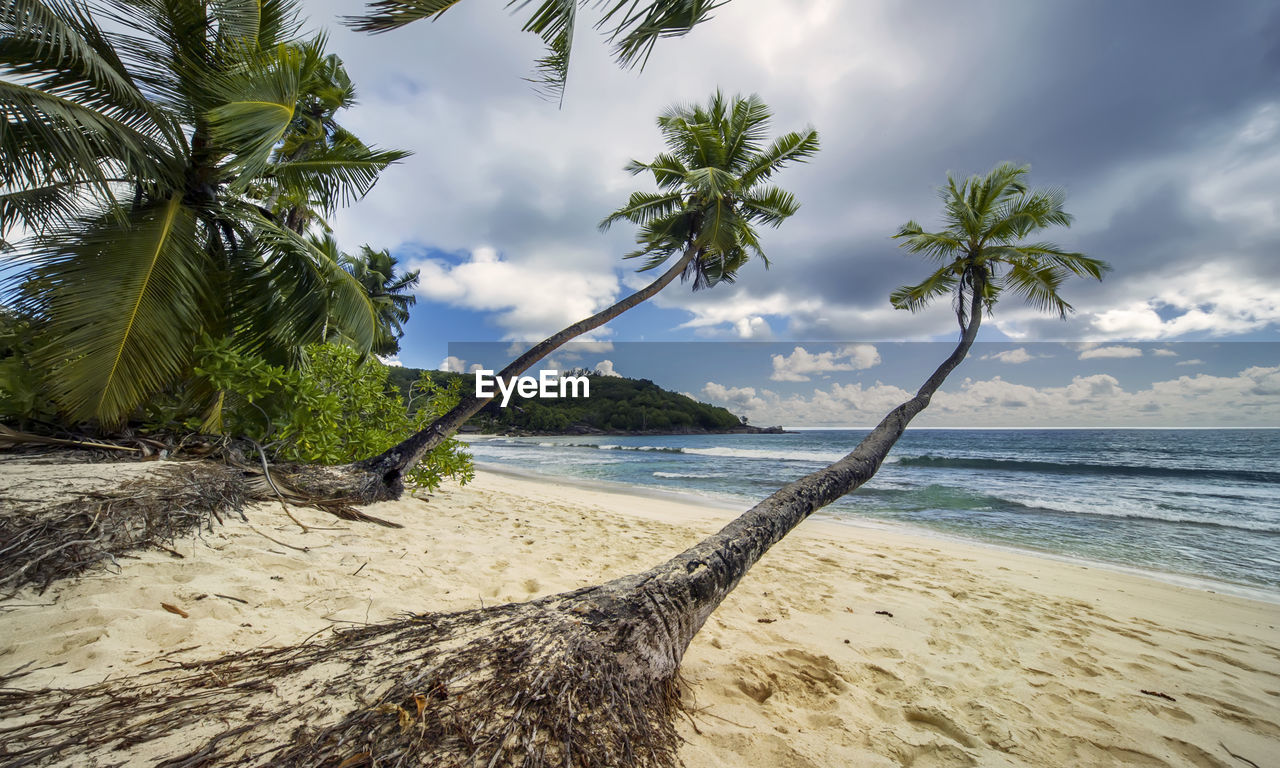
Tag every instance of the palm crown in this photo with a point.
(981, 247)
(148, 171)
(390, 290)
(712, 187)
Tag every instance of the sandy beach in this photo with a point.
(846, 645)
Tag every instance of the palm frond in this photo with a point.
(938, 246)
(917, 297)
(299, 269)
(46, 138)
(635, 26)
(794, 147)
(770, 206)
(256, 106)
(122, 305)
(1038, 286)
(644, 207)
(335, 175)
(386, 15)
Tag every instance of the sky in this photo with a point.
(1160, 119)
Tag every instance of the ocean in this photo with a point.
(1203, 504)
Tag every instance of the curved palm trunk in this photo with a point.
(391, 465)
(663, 608)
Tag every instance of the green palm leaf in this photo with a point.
(985, 218)
(631, 26)
(122, 305)
(337, 174)
(711, 187)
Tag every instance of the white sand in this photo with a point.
(989, 658)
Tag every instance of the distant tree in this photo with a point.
(390, 290)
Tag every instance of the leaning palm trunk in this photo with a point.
(584, 679)
(381, 477)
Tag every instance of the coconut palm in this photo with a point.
(713, 191)
(136, 168)
(631, 26)
(390, 291)
(981, 247)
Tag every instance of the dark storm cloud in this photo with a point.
(1137, 108)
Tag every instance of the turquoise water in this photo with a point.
(1199, 503)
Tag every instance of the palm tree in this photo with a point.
(713, 190)
(631, 26)
(391, 294)
(136, 169)
(584, 678)
(981, 249)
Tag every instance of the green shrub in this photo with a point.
(337, 408)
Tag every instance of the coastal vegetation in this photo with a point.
(165, 189)
(584, 678)
(618, 404)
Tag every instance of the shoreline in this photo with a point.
(1188, 581)
(844, 645)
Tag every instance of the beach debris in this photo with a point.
(361, 568)
(766, 621)
(1157, 694)
(175, 609)
(229, 597)
(884, 613)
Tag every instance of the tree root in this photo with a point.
(529, 684)
(40, 543)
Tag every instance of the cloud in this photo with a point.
(1011, 356)
(1115, 351)
(800, 363)
(452, 364)
(605, 368)
(1248, 398)
(736, 399)
(754, 327)
(393, 361)
(1163, 352)
(529, 301)
(1192, 361)
(1178, 188)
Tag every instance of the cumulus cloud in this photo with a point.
(736, 399)
(798, 365)
(1163, 352)
(1249, 398)
(605, 368)
(1113, 351)
(1011, 356)
(453, 364)
(1192, 361)
(528, 300)
(1177, 187)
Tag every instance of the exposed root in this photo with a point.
(41, 541)
(59, 523)
(530, 684)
